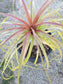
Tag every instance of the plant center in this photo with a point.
(33, 27)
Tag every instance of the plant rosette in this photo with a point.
(34, 51)
(31, 32)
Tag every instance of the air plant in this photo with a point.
(31, 32)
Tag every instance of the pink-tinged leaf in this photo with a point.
(20, 31)
(25, 46)
(22, 56)
(27, 14)
(13, 25)
(35, 35)
(10, 29)
(50, 23)
(24, 50)
(15, 18)
(31, 10)
(42, 10)
(36, 18)
(42, 32)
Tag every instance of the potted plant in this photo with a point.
(30, 33)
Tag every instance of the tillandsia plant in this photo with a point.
(31, 32)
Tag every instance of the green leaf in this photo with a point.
(41, 27)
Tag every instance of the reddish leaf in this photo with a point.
(13, 25)
(20, 31)
(37, 16)
(15, 18)
(24, 49)
(41, 11)
(27, 14)
(10, 29)
(50, 23)
(31, 10)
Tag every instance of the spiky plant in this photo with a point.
(31, 32)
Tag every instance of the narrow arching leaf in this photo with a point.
(8, 53)
(22, 56)
(37, 16)
(36, 57)
(51, 23)
(20, 31)
(29, 52)
(14, 17)
(13, 7)
(43, 18)
(42, 48)
(61, 35)
(27, 14)
(3, 21)
(42, 10)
